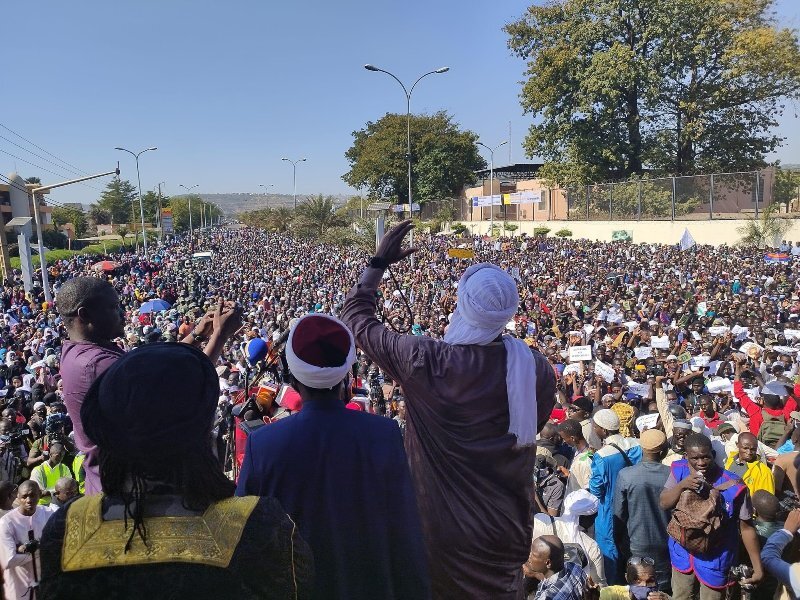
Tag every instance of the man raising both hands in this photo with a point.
(94, 318)
(474, 402)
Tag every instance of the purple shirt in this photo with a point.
(81, 364)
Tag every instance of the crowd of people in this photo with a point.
(662, 382)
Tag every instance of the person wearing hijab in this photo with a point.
(168, 518)
(342, 475)
(474, 403)
(579, 503)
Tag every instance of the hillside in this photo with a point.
(233, 204)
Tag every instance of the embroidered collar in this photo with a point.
(210, 538)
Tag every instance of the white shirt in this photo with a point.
(18, 568)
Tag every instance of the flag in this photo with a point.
(687, 241)
(776, 257)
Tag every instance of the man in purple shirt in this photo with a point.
(94, 318)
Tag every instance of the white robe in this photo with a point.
(18, 568)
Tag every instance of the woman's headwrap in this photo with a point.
(154, 401)
(487, 300)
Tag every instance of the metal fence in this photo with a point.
(695, 197)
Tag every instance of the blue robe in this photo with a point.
(342, 476)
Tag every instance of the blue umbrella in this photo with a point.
(152, 306)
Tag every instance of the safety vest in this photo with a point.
(51, 477)
(79, 473)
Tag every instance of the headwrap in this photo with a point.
(580, 503)
(625, 413)
(320, 351)
(487, 300)
(124, 414)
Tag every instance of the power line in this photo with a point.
(47, 170)
(41, 157)
(42, 149)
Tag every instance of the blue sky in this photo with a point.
(225, 89)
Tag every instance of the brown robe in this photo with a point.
(472, 484)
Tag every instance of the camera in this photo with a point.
(32, 546)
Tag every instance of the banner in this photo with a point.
(523, 197)
(642, 352)
(687, 241)
(461, 253)
(776, 257)
(167, 225)
(639, 389)
(480, 201)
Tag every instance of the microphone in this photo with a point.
(256, 351)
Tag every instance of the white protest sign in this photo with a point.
(588, 329)
(639, 389)
(718, 330)
(572, 292)
(754, 393)
(719, 385)
(579, 353)
(642, 352)
(791, 333)
(785, 350)
(701, 361)
(742, 332)
(631, 325)
(646, 422)
(660, 343)
(697, 337)
(605, 371)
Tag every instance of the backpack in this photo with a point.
(697, 518)
(771, 430)
(573, 553)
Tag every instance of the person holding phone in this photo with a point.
(640, 575)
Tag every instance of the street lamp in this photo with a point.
(266, 189)
(294, 176)
(408, 128)
(491, 182)
(139, 179)
(189, 196)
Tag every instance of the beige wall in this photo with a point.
(659, 232)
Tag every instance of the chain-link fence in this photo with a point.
(697, 197)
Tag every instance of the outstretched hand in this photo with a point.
(390, 248)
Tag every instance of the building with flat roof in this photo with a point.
(5, 203)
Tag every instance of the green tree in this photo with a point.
(62, 216)
(764, 230)
(786, 187)
(35, 180)
(444, 158)
(316, 215)
(180, 212)
(117, 199)
(99, 216)
(679, 86)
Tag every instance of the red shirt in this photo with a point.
(754, 410)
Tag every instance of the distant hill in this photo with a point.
(233, 204)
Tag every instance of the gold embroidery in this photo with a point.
(210, 539)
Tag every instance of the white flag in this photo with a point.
(687, 241)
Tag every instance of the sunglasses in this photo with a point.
(641, 560)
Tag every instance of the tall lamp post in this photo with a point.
(491, 182)
(139, 179)
(189, 196)
(294, 176)
(266, 189)
(408, 93)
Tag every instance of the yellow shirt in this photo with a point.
(757, 476)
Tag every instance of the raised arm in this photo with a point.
(395, 353)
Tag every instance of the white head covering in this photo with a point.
(487, 300)
(315, 376)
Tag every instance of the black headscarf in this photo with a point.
(156, 399)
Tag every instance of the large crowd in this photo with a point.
(675, 370)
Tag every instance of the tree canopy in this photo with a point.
(117, 199)
(180, 211)
(444, 158)
(620, 87)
